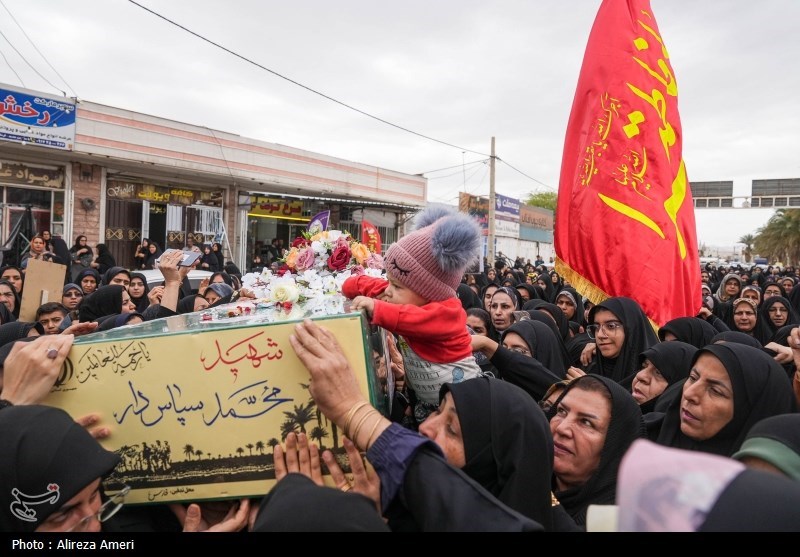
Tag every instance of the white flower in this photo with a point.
(284, 291)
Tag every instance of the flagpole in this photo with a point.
(490, 239)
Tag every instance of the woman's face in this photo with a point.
(444, 428)
(127, 304)
(123, 279)
(778, 314)
(136, 288)
(732, 287)
(566, 306)
(152, 248)
(46, 235)
(492, 274)
(71, 299)
(501, 309)
(14, 277)
(487, 296)
(516, 343)
(7, 297)
(524, 294)
(788, 285)
(770, 291)
(609, 338)
(88, 284)
(579, 429)
(211, 296)
(37, 245)
(200, 303)
(744, 317)
(217, 279)
(707, 401)
(476, 324)
(542, 282)
(86, 503)
(751, 294)
(648, 383)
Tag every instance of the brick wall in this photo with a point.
(86, 181)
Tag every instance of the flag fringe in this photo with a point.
(585, 287)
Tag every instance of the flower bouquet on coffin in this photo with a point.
(315, 267)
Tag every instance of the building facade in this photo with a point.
(124, 176)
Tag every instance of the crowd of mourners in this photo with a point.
(519, 405)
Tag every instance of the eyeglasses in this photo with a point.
(73, 295)
(610, 327)
(106, 510)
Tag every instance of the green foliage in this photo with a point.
(779, 239)
(544, 199)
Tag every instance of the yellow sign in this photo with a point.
(196, 407)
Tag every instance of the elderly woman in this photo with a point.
(730, 387)
(662, 365)
(594, 423)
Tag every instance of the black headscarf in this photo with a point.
(226, 278)
(737, 337)
(760, 389)
(7, 316)
(673, 360)
(44, 453)
(639, 336)
(562, 323)
(482, 294)
(763, 316)
(624, 428)
(106, 300)
(468, 298)
(150, 259)
(297, 504)
(691, 330)
(542, 343)
(760, 331)
(144, 301)
(576, 299)
(4, 268)
(186, 304)
(114, 271)
(116, 320)
(222, 290)
(88, 272)
(507, 444)
(9, 332)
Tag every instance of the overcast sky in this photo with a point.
(460, 71)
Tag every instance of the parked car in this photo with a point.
(155, 278)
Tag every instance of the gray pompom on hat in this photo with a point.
(431, 260)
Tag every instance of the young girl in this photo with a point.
(419, 303)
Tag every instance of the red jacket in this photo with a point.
(436, 331)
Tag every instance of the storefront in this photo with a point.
(23, 186)
(167, 214)
(267, 217)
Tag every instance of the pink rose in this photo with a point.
(374, 261)
(356, 271)
(305, 260)
(340, 258)
(342, 242)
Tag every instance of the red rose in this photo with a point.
(282, 270)
(300, 242)
(339, 258)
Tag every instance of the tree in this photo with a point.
(302, 415)
(260, 447)
(272, 443)
(288, 427)
(239, 451)
(747, 240)
(199, 454)
(250, 448)
(318, 434)
(544, 199)
(780, 237)
(188, 450)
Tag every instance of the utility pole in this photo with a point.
(492, 199)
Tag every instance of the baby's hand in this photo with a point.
(363, 302)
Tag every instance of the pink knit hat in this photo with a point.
(431, 260)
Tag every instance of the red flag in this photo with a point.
(370, 236)
(625, 218)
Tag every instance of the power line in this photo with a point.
(74, 94)
(528, 177)
(455, 173)
(451, 167)
(306, 87)
(12, 68)
(30, 65)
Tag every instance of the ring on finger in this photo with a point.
(346, 487)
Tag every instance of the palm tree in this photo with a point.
(780, 237)
(199, 454)
(318, 434)
(747, 240)
(188, 450)
(288, 427)
(250, 448)
(302, 415)
(260, 447)
(272, 443)
(208, 455)
(240, 451)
